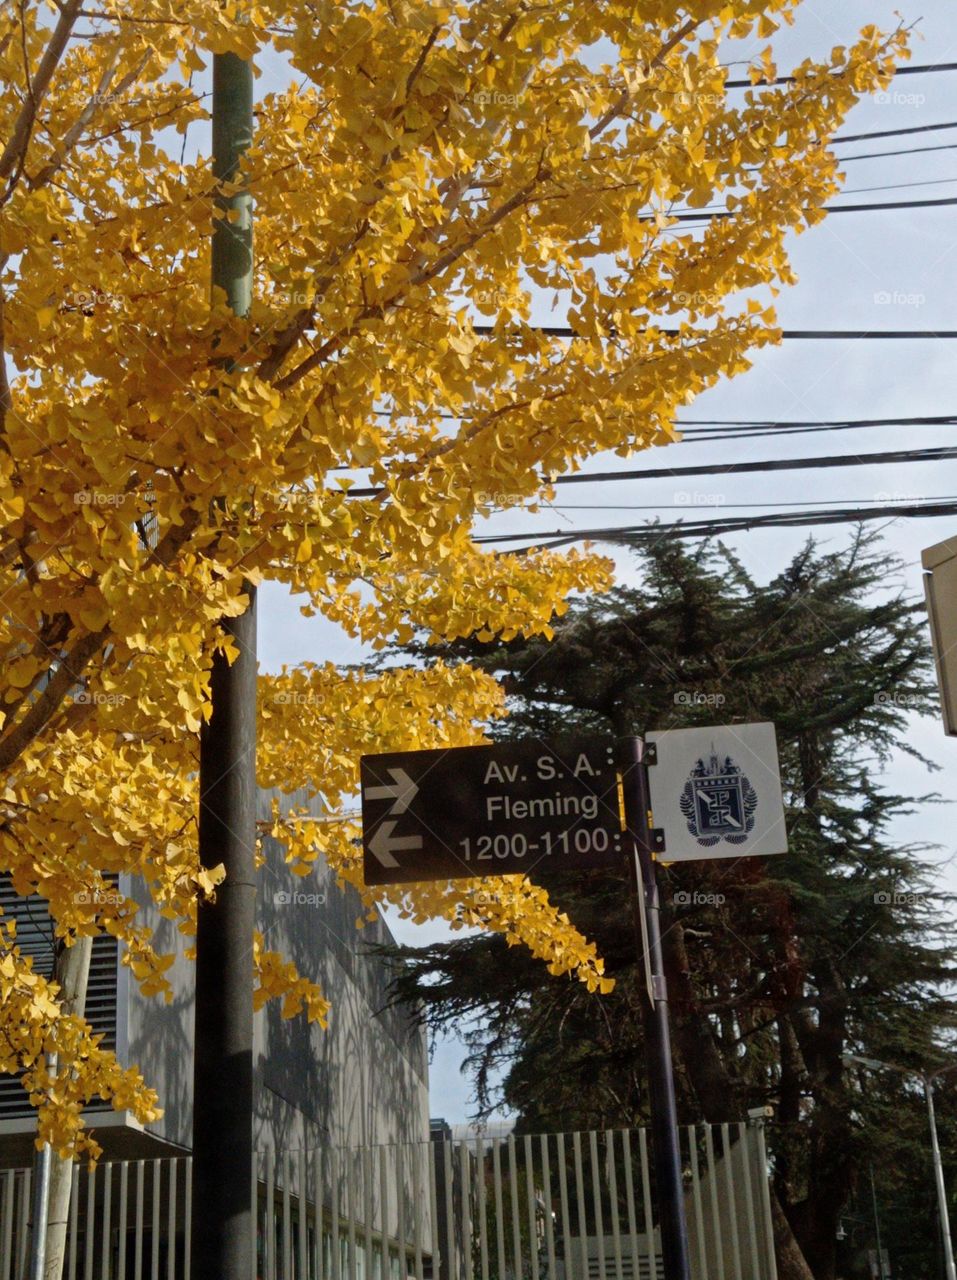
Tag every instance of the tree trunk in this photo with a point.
(71, 969)
(716, 1091)
(787, 1252)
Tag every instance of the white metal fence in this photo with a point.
(566, 1206)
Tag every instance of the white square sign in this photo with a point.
(716, 792)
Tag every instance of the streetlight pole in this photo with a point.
(949, 1268)
(223, 1186)
(927, 1078)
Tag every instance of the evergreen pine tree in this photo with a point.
(776, 967)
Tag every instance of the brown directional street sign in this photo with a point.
(496, 810)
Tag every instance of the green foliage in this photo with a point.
(776, 967)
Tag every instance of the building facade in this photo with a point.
(361, 1082)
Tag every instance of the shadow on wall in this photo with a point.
(160, 1035)
(365, 1079)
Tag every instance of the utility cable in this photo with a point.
(565, 331)
(894, 133)
(897, 456)
(922, 70)
(635, 534)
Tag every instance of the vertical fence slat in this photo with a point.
(650, 1248)
(448, 1266)
(384, 1269)
(630, 1200)
(319, 1197)
(334, 1210)
(547, 1205)
(9, 1187)
(499, 1212)
(433, 1210)
(764, 1183)
(188, 1213)
(580, 1203)
(74, 1220)
(715, 1214)
(613, 1201)
(157, 1193)
(563, 1198)
(107, 1214)
(466, 1207)
(90, 1221)
(269, 1216)
(732, 1203)
(482, 1207)
(513, 1198)
(23, 1232)
(171, 1221)
(596, 1196)
(138, 1255)
(696, 1199)
(303, 1235)
(530, 1201)
(400, 1208)
(352, 1200)
(417, 1211)
(286, 1219)
(123, 1210)
(259, 1207)
(744, 1150)
(366, 1156)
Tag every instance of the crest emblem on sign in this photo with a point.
(718, 802)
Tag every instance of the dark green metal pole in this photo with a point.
(661, 1086)
(223, 1185)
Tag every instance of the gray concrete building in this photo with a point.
(361, 1082)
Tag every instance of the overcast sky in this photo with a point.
(882, 270)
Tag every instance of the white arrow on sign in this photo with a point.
(402, 791)
(383, 843)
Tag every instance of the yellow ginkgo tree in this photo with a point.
(428, 177)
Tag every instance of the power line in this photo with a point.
(925, 420)
(922, 70)
(564, 331)
(705, 430)
(894, 133)
(732, 506)
(907, 151)
(765, 465)
(738, 468)
(632, 535)
(850, 191)
(870, 207)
